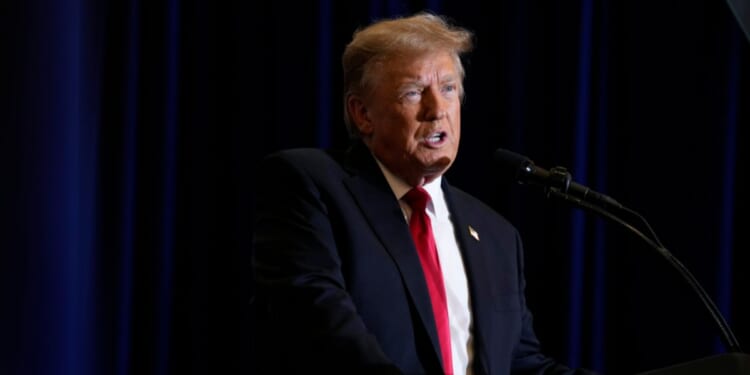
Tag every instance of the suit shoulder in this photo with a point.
(476, 206)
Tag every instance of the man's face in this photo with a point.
(411, 120)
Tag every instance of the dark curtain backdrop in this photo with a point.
(131, 131)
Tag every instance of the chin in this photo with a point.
(439, 166)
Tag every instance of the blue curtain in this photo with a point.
(131, 129)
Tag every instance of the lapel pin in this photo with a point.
(473, 233)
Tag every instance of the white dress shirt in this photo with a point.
(451, 264)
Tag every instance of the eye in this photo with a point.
(412, 94)
(450, 88)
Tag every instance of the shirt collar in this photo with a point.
(400, 188)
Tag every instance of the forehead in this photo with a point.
(425, 66)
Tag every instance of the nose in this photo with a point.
(435, 105)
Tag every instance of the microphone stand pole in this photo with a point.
(726, 333)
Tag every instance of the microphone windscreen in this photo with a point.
(511, 164)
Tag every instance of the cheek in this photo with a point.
(403, 114)
(457, 117)
(402, 122)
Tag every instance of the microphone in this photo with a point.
(556, 180)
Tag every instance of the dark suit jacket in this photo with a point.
(339, 284)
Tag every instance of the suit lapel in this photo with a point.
(375, 198)
(478, 274)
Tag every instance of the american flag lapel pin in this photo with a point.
(473, 233)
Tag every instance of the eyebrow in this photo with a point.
(416, 81)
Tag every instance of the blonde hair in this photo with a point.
(410, 36)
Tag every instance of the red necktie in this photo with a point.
(421, 232)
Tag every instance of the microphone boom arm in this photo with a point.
(726, 332)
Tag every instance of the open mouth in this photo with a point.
(435, 138)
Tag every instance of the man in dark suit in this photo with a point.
(345, 282)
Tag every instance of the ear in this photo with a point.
(359, 114)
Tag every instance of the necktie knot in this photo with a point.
(417, 199)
